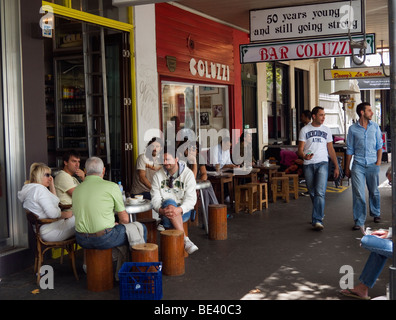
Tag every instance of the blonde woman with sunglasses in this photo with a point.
(38, 195)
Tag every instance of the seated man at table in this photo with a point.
(189, 151)
(94, 203)
(173, 195)
(147, 164)
(68, 178)
(220, 154)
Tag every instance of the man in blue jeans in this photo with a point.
(315, 146)
(364, 142)
(380, 244)
(173, 194)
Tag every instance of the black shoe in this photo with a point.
(377, 219)
(356, 227)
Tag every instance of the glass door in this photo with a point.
(278, 104)
(92, 96)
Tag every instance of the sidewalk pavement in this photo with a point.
(269, 255)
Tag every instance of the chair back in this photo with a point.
(33, 220)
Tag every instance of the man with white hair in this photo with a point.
(94, 203)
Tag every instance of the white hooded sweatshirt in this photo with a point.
(183, 191)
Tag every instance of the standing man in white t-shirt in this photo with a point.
(315, 146)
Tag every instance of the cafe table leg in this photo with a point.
(204, 213)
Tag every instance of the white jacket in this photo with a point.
(183, 191)
(38, 199)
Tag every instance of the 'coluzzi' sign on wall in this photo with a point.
(210, 70)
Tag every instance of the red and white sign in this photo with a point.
(325, 48)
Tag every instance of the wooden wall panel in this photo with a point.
(213, 42)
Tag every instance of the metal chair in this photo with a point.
(42, 246)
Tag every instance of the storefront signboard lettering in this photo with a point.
(308, 21)
(210, 70)
(297, 50)
(355, 73)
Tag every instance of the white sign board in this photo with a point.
(299, 50)
(307, 21)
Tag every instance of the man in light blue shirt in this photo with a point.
(365, 144)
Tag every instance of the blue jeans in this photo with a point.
(363, 175)
(114, 238)
(165, 221)
(316, 175)
(381, 250)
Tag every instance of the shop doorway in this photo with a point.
(249, 102)
(278, 103)
(301, 94)
(88, 96)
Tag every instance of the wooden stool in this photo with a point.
(151, 225)
(145, 252)
(144, 215)
(284, 188)
(246, 191)
(217, 221)
(172, 252)
(262, 190)
(99, 269)
(294, 186)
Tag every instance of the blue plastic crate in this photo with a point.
(140, 281)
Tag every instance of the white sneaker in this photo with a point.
(318, 226)
(189, 246)
(160, 227)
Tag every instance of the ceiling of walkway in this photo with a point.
(236, 12)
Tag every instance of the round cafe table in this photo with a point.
(200, 186)
(133, 208)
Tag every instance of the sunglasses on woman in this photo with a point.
(47, 175)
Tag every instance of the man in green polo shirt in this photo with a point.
(94, 203)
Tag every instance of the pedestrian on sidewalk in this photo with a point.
(315, 146)
(364, 142)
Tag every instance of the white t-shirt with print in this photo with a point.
(316, 140)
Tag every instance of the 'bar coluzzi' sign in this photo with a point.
(250, 53)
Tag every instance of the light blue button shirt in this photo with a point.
(364, 143)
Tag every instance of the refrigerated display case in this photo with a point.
(71, 125)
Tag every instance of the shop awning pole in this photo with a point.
(392, 55)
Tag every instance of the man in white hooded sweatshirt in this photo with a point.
(173, 195)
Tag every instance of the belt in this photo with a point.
(96, 234)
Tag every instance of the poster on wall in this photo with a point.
(204, 118)
(206, 102)
(217, 110)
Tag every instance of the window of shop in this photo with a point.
(13, 227)
(194, 107)
(4, 218)
(278, 103)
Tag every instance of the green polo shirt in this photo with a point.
(94, 203)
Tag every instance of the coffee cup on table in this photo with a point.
(134, 200)
(139, 197)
